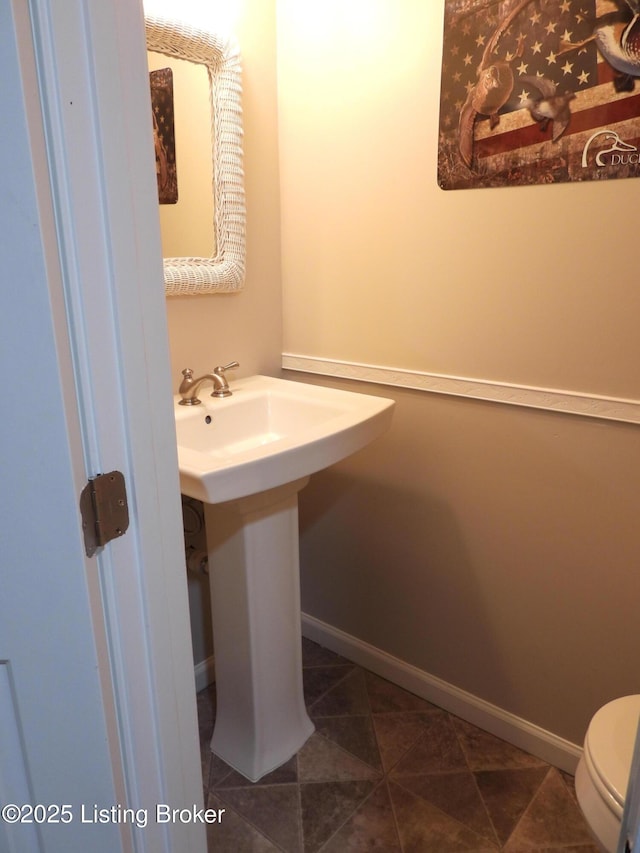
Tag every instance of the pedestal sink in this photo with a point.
(246, 457)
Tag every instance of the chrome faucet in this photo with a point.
(189, 386)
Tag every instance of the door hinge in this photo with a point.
(104, 510)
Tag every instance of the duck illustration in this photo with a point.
(617, 36)
(619, 43)
(612, 139)
(491, 91)
(548, 106)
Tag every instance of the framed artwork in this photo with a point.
(164, 137)
(539, 92)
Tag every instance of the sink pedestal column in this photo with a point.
(261, 720)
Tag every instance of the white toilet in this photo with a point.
(603, 770)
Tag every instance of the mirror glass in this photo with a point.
(203, 232)
(182, 135)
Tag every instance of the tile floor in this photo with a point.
(388, 771)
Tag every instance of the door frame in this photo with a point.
(90, 126)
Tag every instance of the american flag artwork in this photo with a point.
(164, 137)
(539, 91)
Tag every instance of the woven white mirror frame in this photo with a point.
(224, 271)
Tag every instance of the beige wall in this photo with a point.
(525, 285)
(214, 329)
(494, 547)
(208, 330)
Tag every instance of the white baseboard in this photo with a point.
(527, 736)
(205, 673)
(521, 733)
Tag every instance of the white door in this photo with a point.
(630, 834)
(97, 703)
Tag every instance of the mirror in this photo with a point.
(223, 271)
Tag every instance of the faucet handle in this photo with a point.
(221, 388)
(220, 370)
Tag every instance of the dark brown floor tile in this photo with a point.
(453, 788)
(385, 697)
(321, 760)
(234, 835)
(206, 708)
(316, 655)
(423, 828)
(285, 774)
(552, 820)
(506, 795)
(218, 771)
(349, 696)
(205, 766)
(371, 827)
(317, 680)
(436, 751)
(326, 806)
(272, 809)
(455, 794)
(570, 782)
(485, 751)
(397, 733)
(580, 848)
(353, 733)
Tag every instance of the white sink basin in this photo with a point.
(268, 433)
